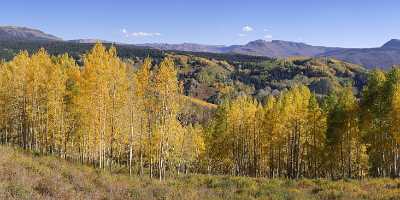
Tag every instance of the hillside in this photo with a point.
(8, 49)
(123, 121)
(392, 44)
(212, 77)
(383, 57)
(25, 176)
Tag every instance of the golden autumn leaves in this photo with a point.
(104, 113)
(110, 114)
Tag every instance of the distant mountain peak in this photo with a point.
(393, 43)
(258, 41)
(15, 33)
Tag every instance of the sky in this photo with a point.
(339, 23)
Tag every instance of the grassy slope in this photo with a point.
(200, 103)
(23, 176)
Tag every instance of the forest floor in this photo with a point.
(28, 176)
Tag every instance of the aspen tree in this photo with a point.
(103, 93)
(165, 91)
(140, 109)
(344, 140)
(70, 117)
(373, 121)
(391, 145)
(316, 136)
(394, 126)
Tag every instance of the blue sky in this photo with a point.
(344, 23)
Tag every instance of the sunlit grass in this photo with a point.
(25, 176)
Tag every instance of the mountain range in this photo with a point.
(274, 48)
(379, 57)
(383, 57)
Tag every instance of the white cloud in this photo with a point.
(241, 35)
(247, 29)
(139, 34)
(268, 36)
(266, 30)
(144, 34)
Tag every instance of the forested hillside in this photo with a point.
(108, 114)
(212, 77)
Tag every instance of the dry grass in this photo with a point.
(200, 103)
(24, 176)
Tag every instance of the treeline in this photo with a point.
(8, 49)
(107, 114)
